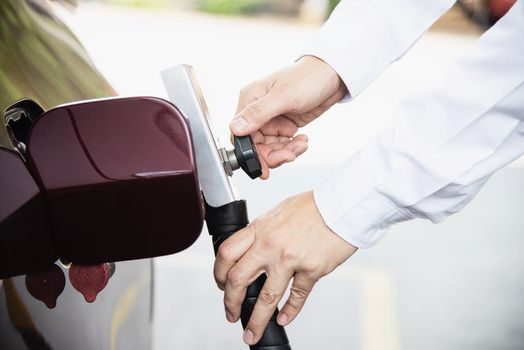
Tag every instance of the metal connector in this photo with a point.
(229, 160)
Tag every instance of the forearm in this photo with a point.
(443, 146)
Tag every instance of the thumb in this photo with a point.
(257, 113)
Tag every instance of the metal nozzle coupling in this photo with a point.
(244, 156)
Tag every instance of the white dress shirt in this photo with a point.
(445, 142)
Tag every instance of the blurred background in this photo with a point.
(458, 285)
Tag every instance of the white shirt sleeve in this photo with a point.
(443, 146)
(361, 38)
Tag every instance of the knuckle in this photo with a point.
(298, 295)
(268, 244)
(314, 275)
(292, 307)
(267, 296)
(229, 304)
(273, 242)
(235, 277)
(258, 321)
(255, 323)
(288, 255)
(311, 267)
(220, 284)
(297, 299)
(225, 252)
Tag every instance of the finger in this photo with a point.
(230, 251)
(280, 156)
(275, 154)
(257, 113)
(280, 126)
(239, 277)
(265, 169)
(275, 143)
(271, 159)
(300, 290)
(279, 141)
(287, 153)
(298, 145)
(301, 137)
(263, 151)
(257, 137)
(267, 302)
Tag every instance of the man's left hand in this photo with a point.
(289, 242)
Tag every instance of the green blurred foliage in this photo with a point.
(231, 7)
(141, 3)
(40, 58)
(224, 7)
(332, 5)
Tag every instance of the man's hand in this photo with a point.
(289, 242)
(272, 109)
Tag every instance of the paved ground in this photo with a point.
(453, 286)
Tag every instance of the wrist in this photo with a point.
(333, 80)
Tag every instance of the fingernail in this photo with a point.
(282, 319)
(249, 337)
(229, 317)
(238, 124)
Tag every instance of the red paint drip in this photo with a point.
(46, 286)
(89, 280)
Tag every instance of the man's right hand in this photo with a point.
(272, 109)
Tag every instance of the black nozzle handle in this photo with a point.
(222, 222)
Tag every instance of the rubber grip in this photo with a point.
(222, 222)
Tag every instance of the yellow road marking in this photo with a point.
(124, 307)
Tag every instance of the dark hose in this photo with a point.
(222, 222)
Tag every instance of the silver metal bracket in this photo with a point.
(215, 165)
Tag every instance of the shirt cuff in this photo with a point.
(353, 209)
(354, 41)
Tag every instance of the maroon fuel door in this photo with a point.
(25, 236)
(118, 177)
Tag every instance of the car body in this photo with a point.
(42, 59)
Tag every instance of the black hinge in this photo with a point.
(19, 118)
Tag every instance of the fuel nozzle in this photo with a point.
(244, 156)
